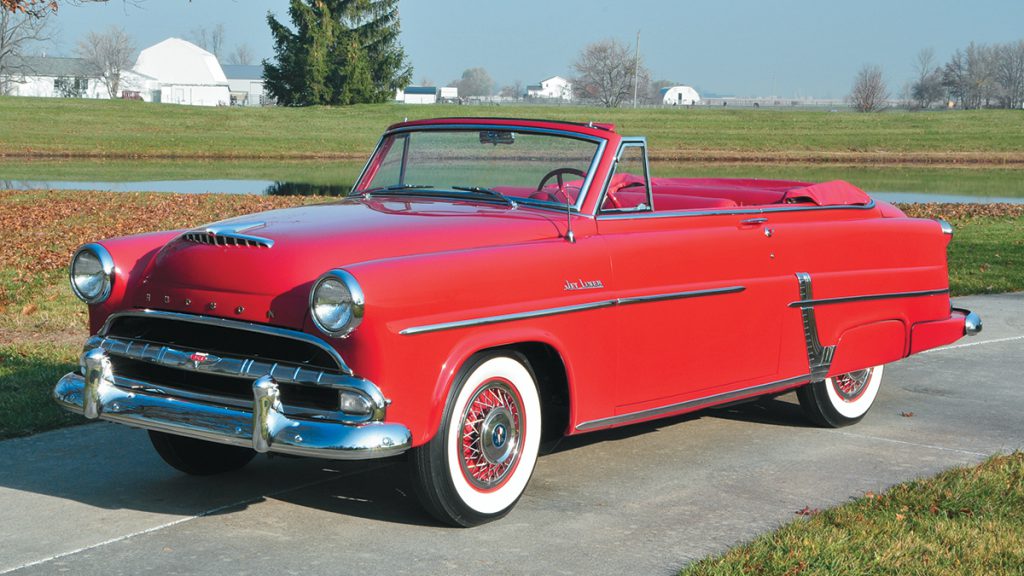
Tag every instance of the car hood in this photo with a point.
(261, 266)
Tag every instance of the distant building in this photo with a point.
(418, 95)
(556, 88)
(180, 72)
(246, 85)
(448, 93)
(679, 96)
(54, 78)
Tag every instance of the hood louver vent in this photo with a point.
(229, 235)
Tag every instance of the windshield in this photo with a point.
(522, 166)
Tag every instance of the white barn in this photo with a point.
(679, 96)
(419, 95)
(184, 74)
(556, 88)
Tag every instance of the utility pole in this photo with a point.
(636, 68)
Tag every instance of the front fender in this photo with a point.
(132, 256)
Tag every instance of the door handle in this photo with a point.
(752, 221)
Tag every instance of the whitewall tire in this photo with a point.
(478, 464)
(842, 399)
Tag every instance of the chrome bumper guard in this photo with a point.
(972, 322)
(265, 429)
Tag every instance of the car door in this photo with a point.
(700, 302)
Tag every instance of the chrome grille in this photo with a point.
(196, 361)
(218, 360)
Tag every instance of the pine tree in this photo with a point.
(340, 52)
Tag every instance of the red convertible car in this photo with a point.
(493, 282)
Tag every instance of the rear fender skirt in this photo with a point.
(869, 345)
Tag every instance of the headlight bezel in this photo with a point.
(356, 303)
(107, 269)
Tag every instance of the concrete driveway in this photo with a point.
(642, 500)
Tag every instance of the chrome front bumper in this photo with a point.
(265, 428)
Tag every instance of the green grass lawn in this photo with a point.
(966, 521)
(127, 129)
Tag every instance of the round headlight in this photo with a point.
(336, 303)
(92, 273)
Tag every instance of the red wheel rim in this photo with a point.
(491, 435)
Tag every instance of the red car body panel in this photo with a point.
(629, 352)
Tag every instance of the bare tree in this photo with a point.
(111, 52)
(17, 32)
(1009, 73)
(927, 88)
(954, 78)
(210, 39)
(514, 90)
(474, 82)
(655, 90)
(869, 91)
(981, 75)
(605, 73)
(242, 54)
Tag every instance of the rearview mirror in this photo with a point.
(497, 137)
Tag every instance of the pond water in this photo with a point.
(274, 188)
(335, 178)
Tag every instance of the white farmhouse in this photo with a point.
(184, 74)
(54, 78)
(555, 88)
(246, 84)
(679, 96)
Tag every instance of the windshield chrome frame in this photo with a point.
(587, 182)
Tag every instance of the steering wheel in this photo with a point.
(558, 173)
(612, 201)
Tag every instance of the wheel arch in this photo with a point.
(546, 360)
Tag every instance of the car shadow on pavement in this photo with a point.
(778, 411)
(109, 467)
(773, 411)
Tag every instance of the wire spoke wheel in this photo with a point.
(842, 399)
(478, 464)
(491, 430)
(851, 385)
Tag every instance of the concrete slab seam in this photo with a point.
(969, 344)
(175, 522)
(915, 444)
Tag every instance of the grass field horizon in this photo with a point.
(71, 128)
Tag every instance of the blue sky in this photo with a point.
(740, 47)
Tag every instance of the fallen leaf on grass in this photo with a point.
(808, 511)
(29, 309)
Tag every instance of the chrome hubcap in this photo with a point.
(491, 434)
(851, 385)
